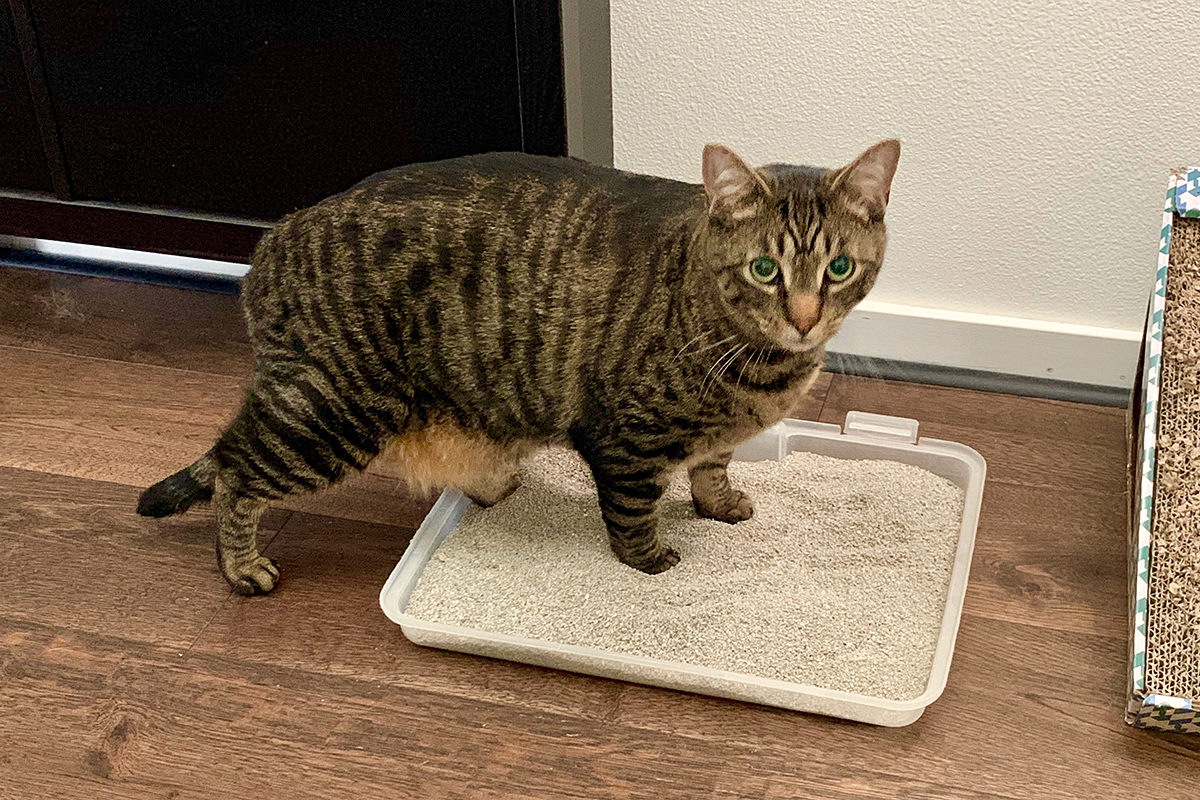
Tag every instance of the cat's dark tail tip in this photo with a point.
(173, 495)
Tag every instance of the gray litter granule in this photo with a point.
(839, 580)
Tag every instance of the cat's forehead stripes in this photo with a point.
(789, 234)
(785, 245)
(788, 270)
(802, 243)
(803, 214)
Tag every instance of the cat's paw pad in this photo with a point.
(258, 576)
(736, 507)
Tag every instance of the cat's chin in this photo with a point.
(796, 343)
(800, 347)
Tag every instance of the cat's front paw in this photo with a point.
(257, 576)
(735, 506)
(660, 559)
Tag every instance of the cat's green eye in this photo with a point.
(764, 269)
(840, 269)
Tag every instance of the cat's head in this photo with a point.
(793, 249)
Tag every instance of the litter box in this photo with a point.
(864, 436)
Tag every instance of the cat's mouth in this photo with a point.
(789, 338)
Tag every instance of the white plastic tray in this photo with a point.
(864, 436)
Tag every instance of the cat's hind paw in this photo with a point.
(256, 576)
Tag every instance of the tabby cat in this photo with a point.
(456, 315)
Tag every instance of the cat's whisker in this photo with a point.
(683, 349)
(711, 346)
(728, 363)
(745, 364)
(757, 361)
(713, 367)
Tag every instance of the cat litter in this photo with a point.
(841, 596)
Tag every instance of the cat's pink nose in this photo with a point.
(804, 311)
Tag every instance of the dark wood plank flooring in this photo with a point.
(128, 670)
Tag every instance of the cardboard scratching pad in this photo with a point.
(1173, 615)
(1165, 480)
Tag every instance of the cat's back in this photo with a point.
(449, 204)
(512, 179)
(444, 217)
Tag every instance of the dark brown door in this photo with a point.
(23, 163)
(255, 109)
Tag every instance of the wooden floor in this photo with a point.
(128, 670)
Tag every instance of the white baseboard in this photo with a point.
(984, 342)
(136, 258)
(990, 343)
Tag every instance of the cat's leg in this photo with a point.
(287, 438)
(629, 488)
(238, 513)
(712, 494)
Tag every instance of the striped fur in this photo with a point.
(458, 314)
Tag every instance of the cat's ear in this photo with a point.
(866, 183)
(734, 188)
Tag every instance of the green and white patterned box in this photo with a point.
(1145, 709)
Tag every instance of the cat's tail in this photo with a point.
(176, 494)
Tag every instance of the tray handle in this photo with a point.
(864, 425)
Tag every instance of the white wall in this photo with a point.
(1037, 135)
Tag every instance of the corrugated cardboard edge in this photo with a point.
(1150, 710)
(1185, 189)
